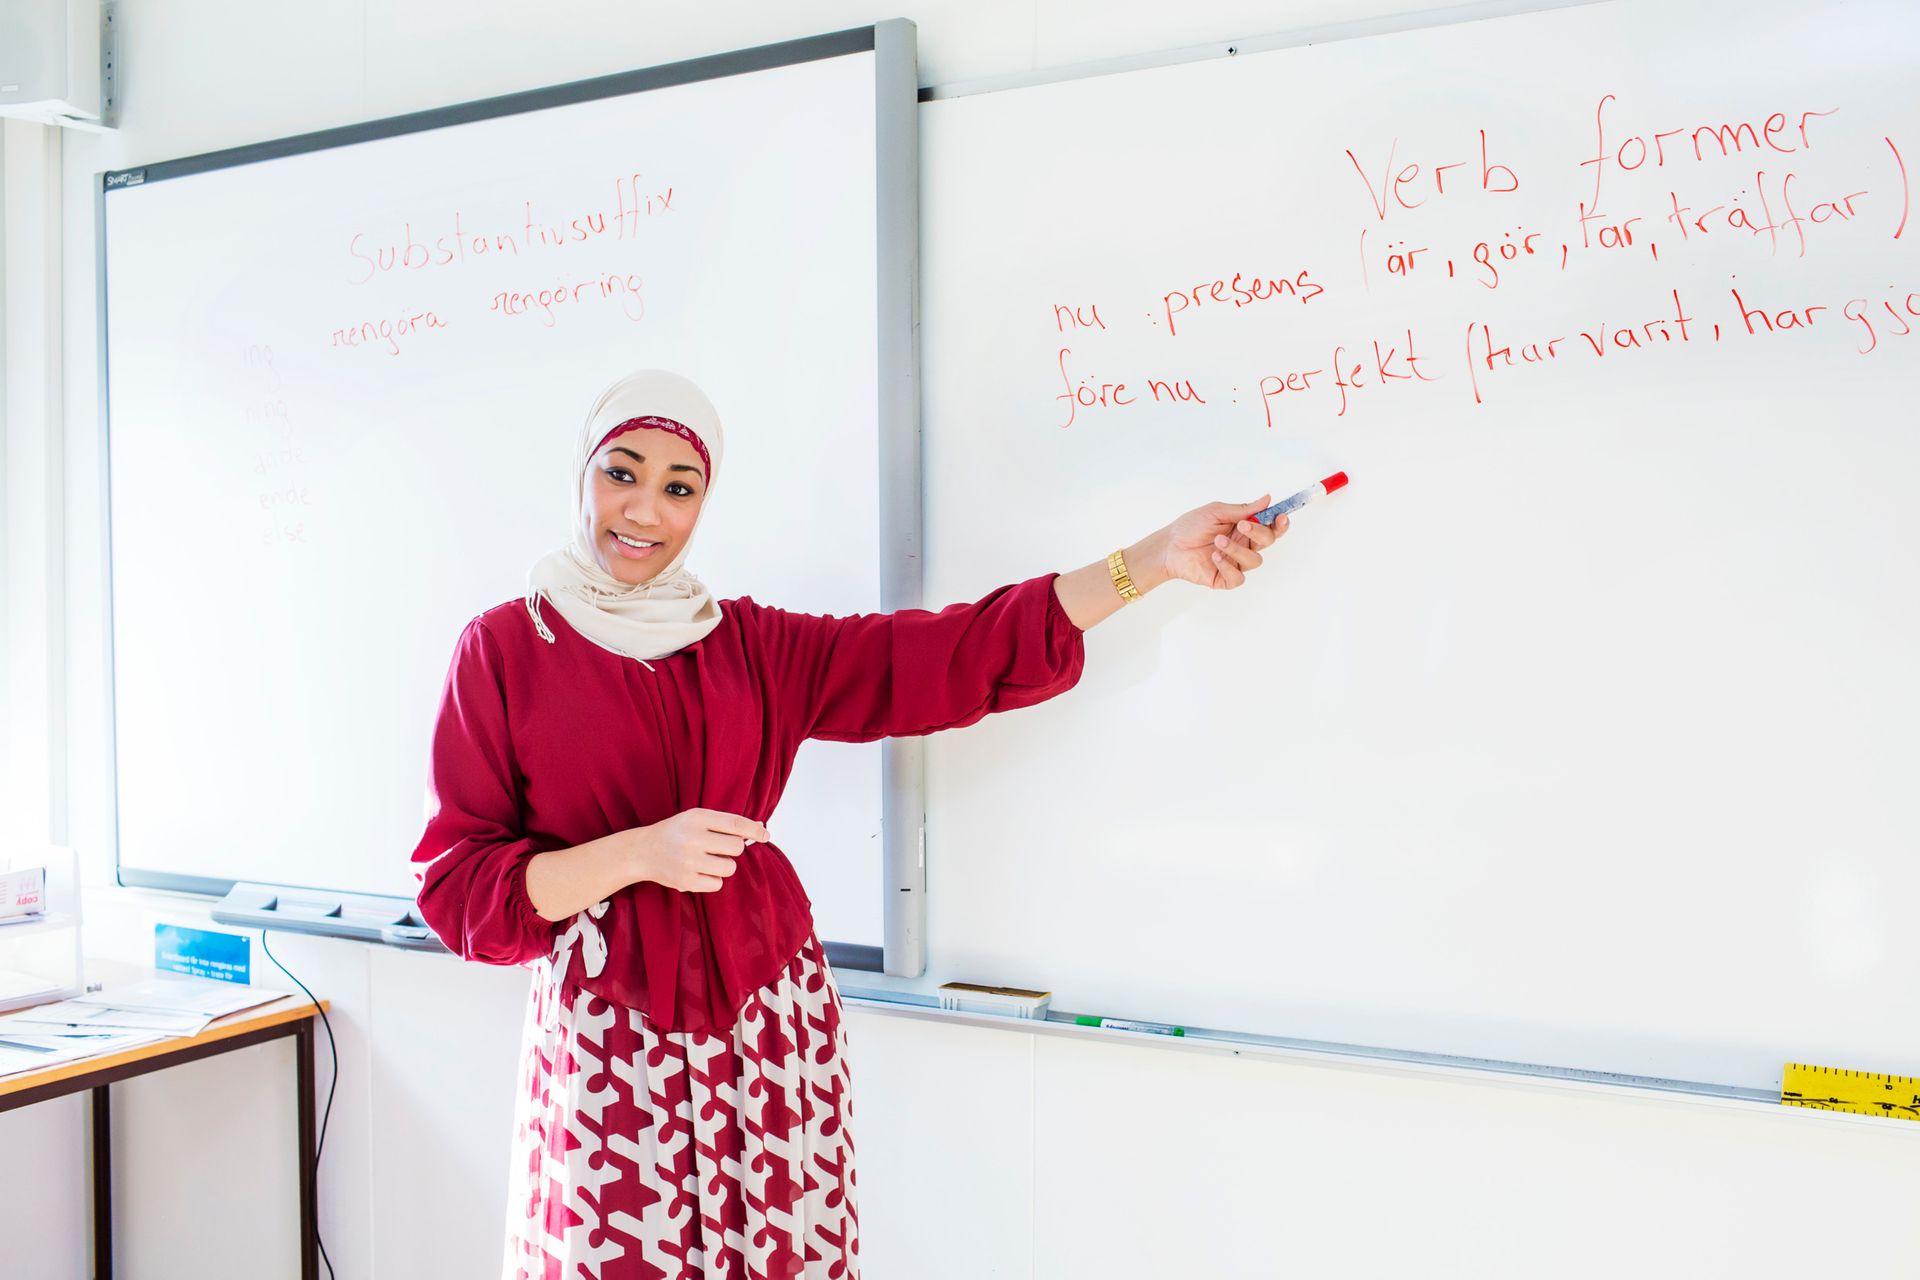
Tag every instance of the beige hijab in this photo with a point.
(672, 609)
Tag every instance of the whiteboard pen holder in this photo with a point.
(361, 917)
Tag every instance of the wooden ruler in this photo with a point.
(1866, 1093)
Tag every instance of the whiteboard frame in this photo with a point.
(896, 82)
(1291, 38)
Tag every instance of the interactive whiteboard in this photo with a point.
(1580, 730)
(346, 373)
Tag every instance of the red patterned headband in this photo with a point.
(661, 424)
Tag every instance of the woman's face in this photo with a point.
(645, 487)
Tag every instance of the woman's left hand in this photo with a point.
(1218, 545)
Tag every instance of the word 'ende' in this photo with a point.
(630, 205)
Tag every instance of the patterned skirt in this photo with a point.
(640, 1155)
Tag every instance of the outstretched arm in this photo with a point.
(1214, 546)
(881, 675)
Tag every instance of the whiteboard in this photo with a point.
(1580, 729)
(346, 375)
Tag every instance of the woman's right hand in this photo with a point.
(695, 849)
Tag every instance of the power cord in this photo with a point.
(333, 1052)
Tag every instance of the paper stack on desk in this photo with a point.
(79, 1015)
(121, 1017)
(166, 993)
(28, 1045)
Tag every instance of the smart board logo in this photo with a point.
(131, 178)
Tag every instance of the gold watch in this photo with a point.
(1122, 580)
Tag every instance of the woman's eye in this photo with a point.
(620, 474)
(680, 489)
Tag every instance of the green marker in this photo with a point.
(1122, 1024)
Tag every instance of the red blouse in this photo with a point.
(544, 746)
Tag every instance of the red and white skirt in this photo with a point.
(640, 1155)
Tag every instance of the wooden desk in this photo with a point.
(290, 1016)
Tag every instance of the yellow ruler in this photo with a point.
(1866, 1093)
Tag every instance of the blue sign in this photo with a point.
(203, 953)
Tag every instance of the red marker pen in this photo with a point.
(1286, 506)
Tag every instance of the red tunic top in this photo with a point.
(544, 746)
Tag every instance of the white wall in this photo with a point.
(984, 1152)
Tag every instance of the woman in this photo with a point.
(607, 752)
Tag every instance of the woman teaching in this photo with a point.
(607, 753)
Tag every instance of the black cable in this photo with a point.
(320, 1145)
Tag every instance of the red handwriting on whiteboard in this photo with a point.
(1906, 187)
(1093, 394)
(1242, 290)
(388, 332)
(261, 412)
(1411, 185)
(260, 355)
(1776, 321)
(1875, 319)
(1275, 385)
(1894, 316)
(1511, 247)
(1077, 317)
(283, 454)
(1485, 262)
(1696, 143)
(1486, 353)
(626, 288)
(456, 244)
(1350, 372)
(294, 494)
(1733, 215)
(1087, 394)
(1390, 364)
(279, 463)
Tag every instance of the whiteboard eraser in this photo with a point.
(968, 997)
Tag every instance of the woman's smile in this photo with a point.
(632, 548)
